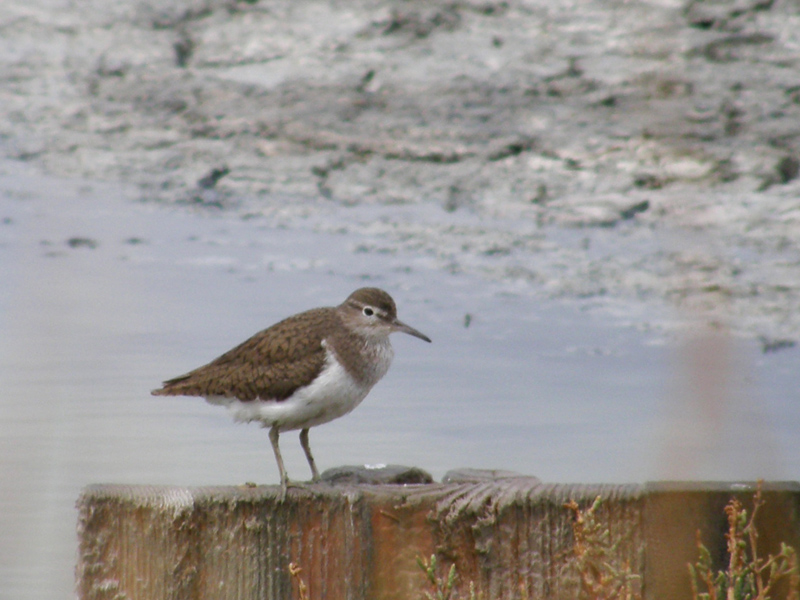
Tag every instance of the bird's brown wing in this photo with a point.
(271, 365)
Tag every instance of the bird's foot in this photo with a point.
(289, 483)
(297, 484)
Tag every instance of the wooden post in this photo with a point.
(675, 512)
(511, 538)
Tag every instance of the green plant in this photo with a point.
(443, 588)
(747, 577)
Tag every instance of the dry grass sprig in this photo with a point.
(302, 589)
(603, 576)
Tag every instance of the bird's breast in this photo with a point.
(367, 362)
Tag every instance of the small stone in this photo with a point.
(377, 474)
(788, 168)
(82, 242)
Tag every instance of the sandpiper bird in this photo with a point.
(309, 369)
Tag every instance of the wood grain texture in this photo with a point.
(512, 538)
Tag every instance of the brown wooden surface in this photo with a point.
(510, 537)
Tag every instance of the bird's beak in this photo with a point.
(400, 326)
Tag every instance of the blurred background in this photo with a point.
(590, 207)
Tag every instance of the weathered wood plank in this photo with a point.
(512, 537)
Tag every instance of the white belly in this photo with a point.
(332, 395)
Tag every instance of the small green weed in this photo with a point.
(443, 588)
(748, 577)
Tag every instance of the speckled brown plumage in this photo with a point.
(277, 361)
(271, 365)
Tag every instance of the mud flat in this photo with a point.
(637, 150)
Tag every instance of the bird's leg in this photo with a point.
(273, 438)
(309, 456)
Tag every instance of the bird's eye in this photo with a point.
(368, 311)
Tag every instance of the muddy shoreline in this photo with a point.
(644, 151)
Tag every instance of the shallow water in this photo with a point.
(568, 391)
